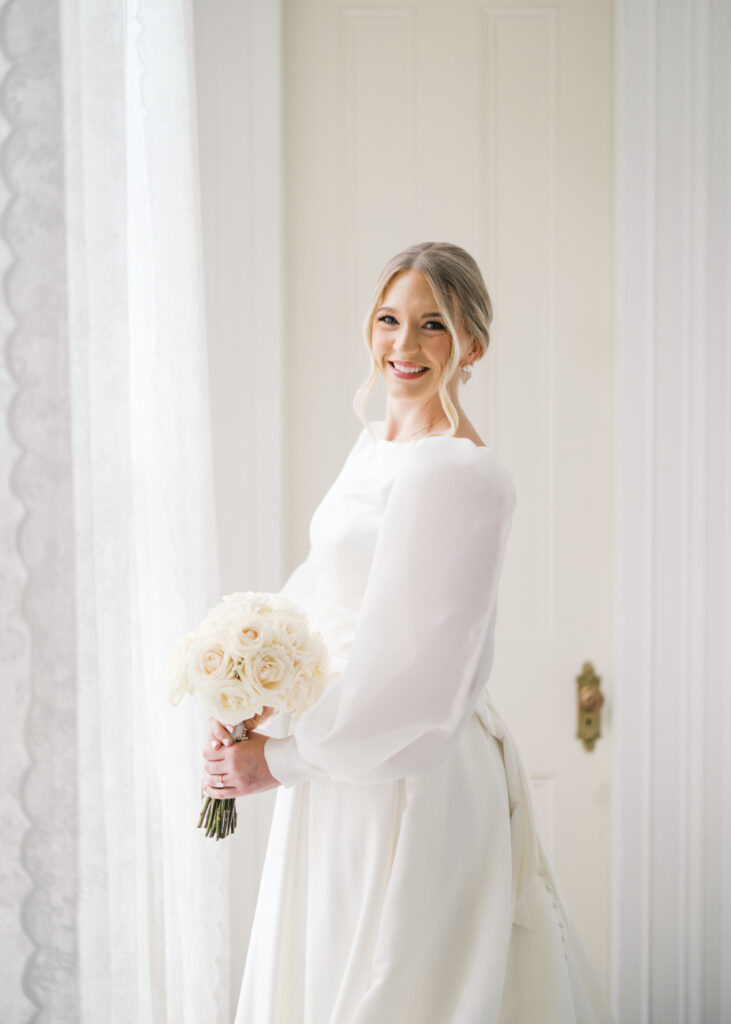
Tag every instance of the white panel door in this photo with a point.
(488, 125)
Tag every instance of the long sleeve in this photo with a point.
(422, 650)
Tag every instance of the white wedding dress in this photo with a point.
(404, 881)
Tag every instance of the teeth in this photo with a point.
(408, 369)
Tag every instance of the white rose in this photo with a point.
(241, 598)
(210, 659)
(218, 617)
(256, 601)
(313, 656)
(290, 631)
(229, 608)
(304, 694)
(272, 669)
(294, 700)
(232, 701)
(177, 683)
(248, 633)
(286, 606)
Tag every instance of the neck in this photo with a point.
(406, 423)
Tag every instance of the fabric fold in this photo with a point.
(527, 854)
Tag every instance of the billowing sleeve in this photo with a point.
(423, 647)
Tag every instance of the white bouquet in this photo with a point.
(252, 650)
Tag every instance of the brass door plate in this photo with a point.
(589, 699)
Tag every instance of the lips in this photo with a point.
(406, 370)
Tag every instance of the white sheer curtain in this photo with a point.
(153, 920)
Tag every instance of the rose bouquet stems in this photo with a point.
(252, 650)
(218, 817)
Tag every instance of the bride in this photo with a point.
(404, 880)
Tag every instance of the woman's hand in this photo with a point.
(219, 735)
(241, 767)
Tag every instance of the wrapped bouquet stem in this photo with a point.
(252, 651)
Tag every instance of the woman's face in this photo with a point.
(409, 333)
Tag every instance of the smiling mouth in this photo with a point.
(407, 371)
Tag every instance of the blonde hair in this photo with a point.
(460, 292)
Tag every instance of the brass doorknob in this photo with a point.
(589, 700)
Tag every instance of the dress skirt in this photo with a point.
(426, 900)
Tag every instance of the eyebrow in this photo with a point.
(390, 309)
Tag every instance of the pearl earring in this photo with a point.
(466, 372)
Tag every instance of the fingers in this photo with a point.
(211, 778)
(210, 786)
(214, 759)
(220, 794)
(241, 768)
(252, 723)
(218, 735)
(225, 793)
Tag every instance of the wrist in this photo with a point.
(286, 764)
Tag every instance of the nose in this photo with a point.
(404, 343)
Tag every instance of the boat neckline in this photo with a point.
(412, 440)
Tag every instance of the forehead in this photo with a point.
(409, 287)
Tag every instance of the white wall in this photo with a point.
(672, 891)
(238, 85)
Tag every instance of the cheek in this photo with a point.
(378, 345)
(439, 349)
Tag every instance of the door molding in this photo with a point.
(672, 453)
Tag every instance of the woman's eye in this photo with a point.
(432, 324)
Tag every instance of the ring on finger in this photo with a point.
(219, 784)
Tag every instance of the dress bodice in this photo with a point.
(401, 579)
(343, 533)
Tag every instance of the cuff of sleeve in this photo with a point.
(286, 763)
